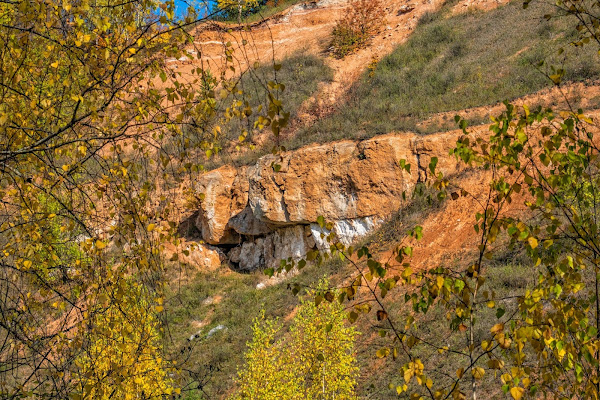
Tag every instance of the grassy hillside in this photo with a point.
(450, 63)
(457, 62)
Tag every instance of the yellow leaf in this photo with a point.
(100, 244)
(54, 64)
(440, 281)
(517, 393)
(460, 372)
(532, 242)
(382, 353)
(478, 372)
(159, 308)
(151, 227)
(27, 264)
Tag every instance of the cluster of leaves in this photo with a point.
(124, 358)
(353, 31)
(316, 362)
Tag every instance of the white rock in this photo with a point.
(252, 255)
(215, 330)
(347, 231)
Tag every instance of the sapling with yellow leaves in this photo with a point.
(315, 360)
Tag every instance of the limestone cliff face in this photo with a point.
(259, 216)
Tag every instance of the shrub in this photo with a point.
(235, 10)
(316, 362)
(364, 18)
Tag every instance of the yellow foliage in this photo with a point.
(316, 361)
(123, 357)
(244, 4)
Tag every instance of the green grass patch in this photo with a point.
(301, 74)
(457, 62)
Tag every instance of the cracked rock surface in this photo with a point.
(258, 216)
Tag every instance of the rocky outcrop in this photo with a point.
(259, 252)
(260, 216)
(225, 194)
(342, 181)
(202, 256)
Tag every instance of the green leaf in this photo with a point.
(433, 164)
(321, 221)
(500, 312)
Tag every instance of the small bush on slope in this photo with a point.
(363, 19)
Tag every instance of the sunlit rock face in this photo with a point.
(225, 195)
(258, 215)
(339, 181)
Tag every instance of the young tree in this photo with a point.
(316, 361)
(323, 347)
(269, 371)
